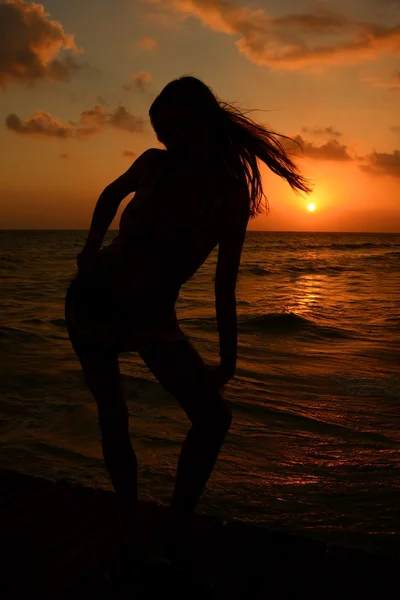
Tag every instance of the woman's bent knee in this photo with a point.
(224, 418)
(214, 416)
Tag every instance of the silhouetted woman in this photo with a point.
(198, 193)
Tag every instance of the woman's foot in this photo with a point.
(175, 539)
(133, 561)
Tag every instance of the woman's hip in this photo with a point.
(99, 317)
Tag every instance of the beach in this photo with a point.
(314, 445)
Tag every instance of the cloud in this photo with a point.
(293, 41)
(121, 118)
(30, 44)
(65, 156)
(395, 129)
(98, 117)
(41, 123)
(376, 163)
(322, 131)
(93, 121)
(129, 154)
(331, 150)
(392, 84)
(147, 44)
(140, 81)
(382, 163)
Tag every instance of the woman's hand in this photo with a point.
(219, 375)
(87, 259)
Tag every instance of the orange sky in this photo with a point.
(74, 109)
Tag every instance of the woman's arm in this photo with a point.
(234, 224)
(112, 196)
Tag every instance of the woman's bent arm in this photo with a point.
(112, 196)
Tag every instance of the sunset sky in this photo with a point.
(77, 79)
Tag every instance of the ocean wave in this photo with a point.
(333, 246)
(289, 322)
(289, 419)
(294, 268)
(285, 323)
(58, 323)
(379, 258)
(393, 319)
(7, 258)
(15, 334)
(33, 321)
(308, 270)
(357, 246)
(255, 270)
(36, 321)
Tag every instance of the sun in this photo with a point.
(311, 207)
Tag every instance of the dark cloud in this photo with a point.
(395, 129)
(294, 40)
(65, 156)
(376, 163)
(94, 116)
(382, 163)
(330, 150)
(39, 124)
(123, 119)
(129, 153)
(30, 44)
(321, 131)
(91, 122)
(98, 117)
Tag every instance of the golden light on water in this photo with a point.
(311, 207)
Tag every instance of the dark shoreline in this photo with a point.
(57, 537)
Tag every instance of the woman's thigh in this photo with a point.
(181, 371)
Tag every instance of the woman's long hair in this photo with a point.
(237, 140)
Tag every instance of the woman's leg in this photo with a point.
(101, 372)
(181, 371)
(102, 375)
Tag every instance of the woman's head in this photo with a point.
(190, 120)
(183, 116)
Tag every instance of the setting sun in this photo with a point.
(311, 207)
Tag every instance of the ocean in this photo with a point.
(314, 444)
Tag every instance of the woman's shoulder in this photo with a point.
(155, 152)
(152, 155)
(149, 160)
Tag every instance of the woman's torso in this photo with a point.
(170, 226)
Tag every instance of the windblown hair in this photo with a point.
(237, 140)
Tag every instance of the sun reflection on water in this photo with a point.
(306, 294)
